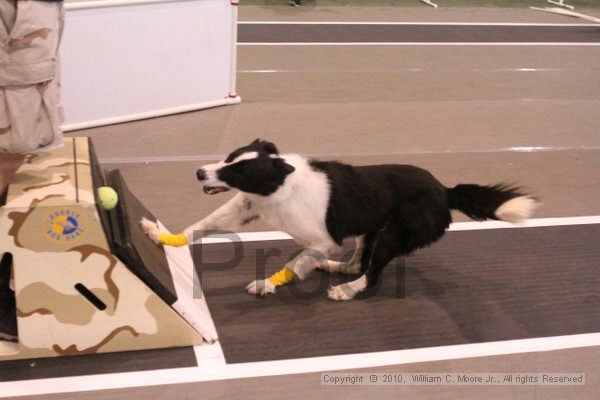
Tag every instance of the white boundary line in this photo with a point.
(420, 44)
(456, 226)
(569, 13)
(191, 307)
(212, 366)
(427, 70)
(409, 23)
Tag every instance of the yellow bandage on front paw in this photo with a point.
(169, 239)
(282, 277)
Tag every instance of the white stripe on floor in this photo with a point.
(420, 44)
(456, 226)
(411, 23)
(212, 368)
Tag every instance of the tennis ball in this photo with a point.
(108, 197)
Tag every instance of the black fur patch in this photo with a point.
(262, 175)
(366, 199)
(262, 147)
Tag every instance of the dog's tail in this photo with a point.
(501, 202)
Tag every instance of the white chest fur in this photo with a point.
(299, 207)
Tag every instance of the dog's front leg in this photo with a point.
(306, 262)
(229, 217)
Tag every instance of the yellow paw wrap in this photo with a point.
(282, 277)
(169, 239)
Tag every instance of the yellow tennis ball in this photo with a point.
(108, 197)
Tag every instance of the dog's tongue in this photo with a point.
(214, 189)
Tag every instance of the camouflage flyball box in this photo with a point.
(73, 294)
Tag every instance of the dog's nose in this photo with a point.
(201, 174)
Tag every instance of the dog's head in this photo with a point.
(256, 168)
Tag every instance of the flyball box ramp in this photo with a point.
(87, 280)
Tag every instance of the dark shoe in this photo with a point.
(8, 307)
(296, 3)
(8, 317)
(5, 265)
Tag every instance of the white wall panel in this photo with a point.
(125, 60)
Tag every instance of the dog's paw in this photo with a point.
(341, 292)
(347, 291)
(261, 286)
(150, 229)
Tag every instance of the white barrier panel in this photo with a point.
(124, 60)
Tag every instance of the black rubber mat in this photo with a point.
(349, 33)
(471, 287)
(98, 180)
(131, 245)
(127, 361)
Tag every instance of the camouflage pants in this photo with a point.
(30, 111)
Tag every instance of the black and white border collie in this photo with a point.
(391, 210)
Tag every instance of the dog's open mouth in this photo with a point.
(215, 189)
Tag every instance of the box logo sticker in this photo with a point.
(64, 225)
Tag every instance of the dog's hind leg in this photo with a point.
(382, 251)
(350, 267)
(306, 262)
(365, 259)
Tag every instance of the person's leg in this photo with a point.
(9, 164)
(30, 111)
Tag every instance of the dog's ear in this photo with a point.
(263, 145)
(269, 147)
(282, 167)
